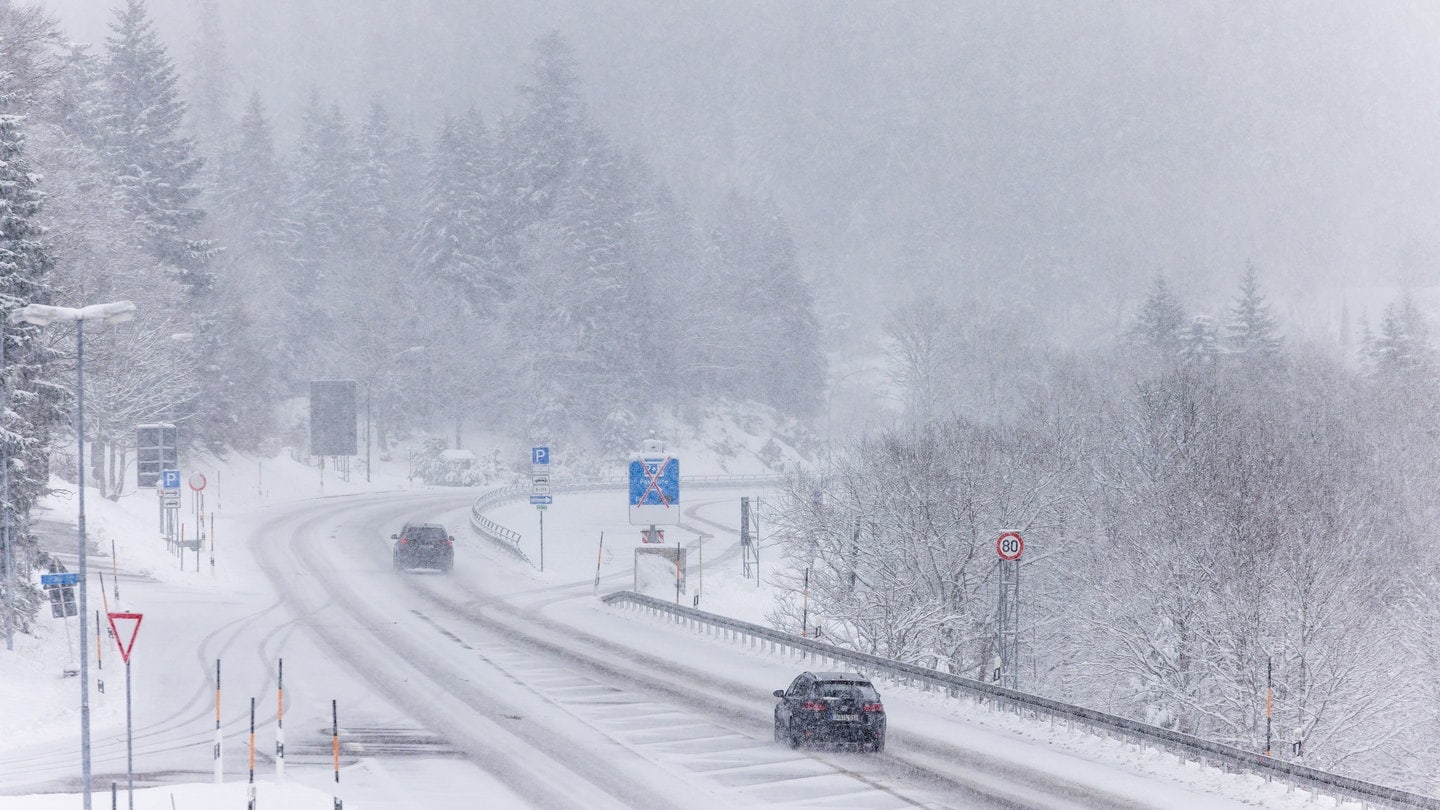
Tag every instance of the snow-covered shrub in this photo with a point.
(435, 464)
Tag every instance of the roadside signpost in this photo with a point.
(654, 488)
(169, 491)
(654, 498)
(540, 496)
(61, 588)
(124, 620)
(1008, 547)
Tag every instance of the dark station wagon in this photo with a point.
(830, 707)
(424, 545)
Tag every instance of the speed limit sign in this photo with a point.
(1010, 546)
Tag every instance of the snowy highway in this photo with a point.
(500, 682)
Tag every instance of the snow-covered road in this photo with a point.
(502, 686)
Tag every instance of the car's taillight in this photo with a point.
(874, 707)
(814, 706)
(402, 541)
(449, 541)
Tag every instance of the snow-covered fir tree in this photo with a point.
(1250, 329)
(34, 402)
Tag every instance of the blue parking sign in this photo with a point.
(540, 455)
(169, 479)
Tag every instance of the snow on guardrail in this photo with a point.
(1183, 745)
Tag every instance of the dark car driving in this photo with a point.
(424, 545)
(831, 707)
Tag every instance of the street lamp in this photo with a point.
(44, 315)
(9, 559)
(369, 384)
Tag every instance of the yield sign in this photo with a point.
(123, 618)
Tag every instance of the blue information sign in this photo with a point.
(169, 479)
(59, 579)
(542, 500)
(540, 455)
(654, 490)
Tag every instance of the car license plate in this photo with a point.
(845, 718)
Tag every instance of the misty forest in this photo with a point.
(1216, 477)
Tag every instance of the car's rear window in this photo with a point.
(840, 689)
(425, 534)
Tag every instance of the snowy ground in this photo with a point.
(243, 492)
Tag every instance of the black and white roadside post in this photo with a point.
(125, 648)
(44, 315)
(540, 496)
(1008, 547)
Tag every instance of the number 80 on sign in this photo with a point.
(1010, 546)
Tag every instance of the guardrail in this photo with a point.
(509, 539)
(1183, 745)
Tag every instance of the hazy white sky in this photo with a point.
(1074, 148)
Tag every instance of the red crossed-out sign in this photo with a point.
(654, 485)
(123, 618)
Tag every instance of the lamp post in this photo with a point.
(5, 506)
(370, 384)
(43, 315)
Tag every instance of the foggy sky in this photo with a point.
(1043, 152)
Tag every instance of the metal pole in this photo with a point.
(542, 541)
(84, 605)
(369, 384)
(599, 554)
(5, 507)
(129, 742)
(805, 611)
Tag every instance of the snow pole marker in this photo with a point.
(99, 681)
(99, 664)
(219, 739)
(250, 789)
(335, 747)
(115, 569)
(598, 555)
(280, 725)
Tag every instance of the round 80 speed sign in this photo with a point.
(1010, 546)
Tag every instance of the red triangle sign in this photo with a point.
(122, 618)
